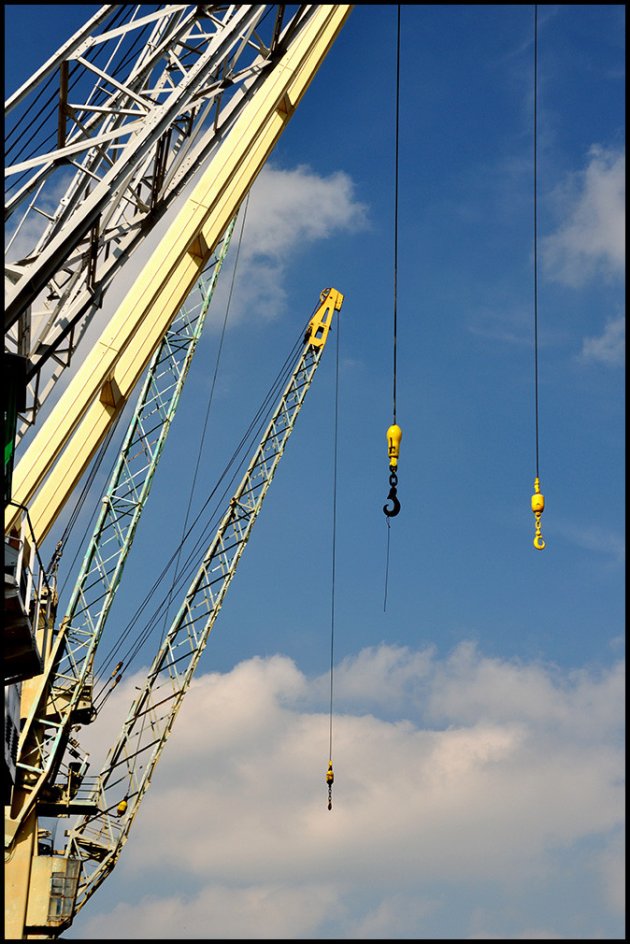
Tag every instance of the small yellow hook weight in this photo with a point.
(330, 779)
(538, 506)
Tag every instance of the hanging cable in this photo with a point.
(396, 162)
(394, 433)
(538, 499)
(234, 465)
(330, 777)
(78, 507)
(205, 425)
(386, 567)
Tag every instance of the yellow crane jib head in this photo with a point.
(318, 327)
(394, 435)
(538, 506)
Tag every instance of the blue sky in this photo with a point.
(479, 717)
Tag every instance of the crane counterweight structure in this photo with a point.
(159, 113)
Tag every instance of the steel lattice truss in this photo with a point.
(118, 121)
(98, 839)
(65, 689)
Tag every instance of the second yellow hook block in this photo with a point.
(538, 506)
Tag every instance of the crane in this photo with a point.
(60, 885)
(177, 131)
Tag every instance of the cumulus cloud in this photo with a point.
(610, 347)
(609, 545)
(462, 783)
(287, 212)
(591, 239)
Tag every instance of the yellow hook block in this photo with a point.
(394, 435)
(330, 779)
(538, 506)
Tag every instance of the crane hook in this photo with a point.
(393, 481)
(330, 779)
(394, 435)
(538, 506)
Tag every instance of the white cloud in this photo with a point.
(611, 866)
(288, 211)
(610, 347)
(591, 239)
(603, 541)
(489, 780)
(219, 911)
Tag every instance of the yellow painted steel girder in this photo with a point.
(54, 462)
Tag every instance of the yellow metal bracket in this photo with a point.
(318, 327)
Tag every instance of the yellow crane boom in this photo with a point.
(78, 424)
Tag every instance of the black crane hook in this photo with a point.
(393, 481)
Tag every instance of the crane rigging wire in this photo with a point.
(396, 163)
(537, 500)
(329, 773)
(80, 501)
(255, 428)
(208, 408)
(48, 109)
(78, 507)
(536, 236)
(394, 433)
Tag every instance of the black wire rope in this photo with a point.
(395, 280)
(396, 211)
(23, 125)
(79, 503)
(334, 536)
(208, 408)
(386, 566)
(192, 562)
(536, 235)
(255, 428)
(77, 72)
